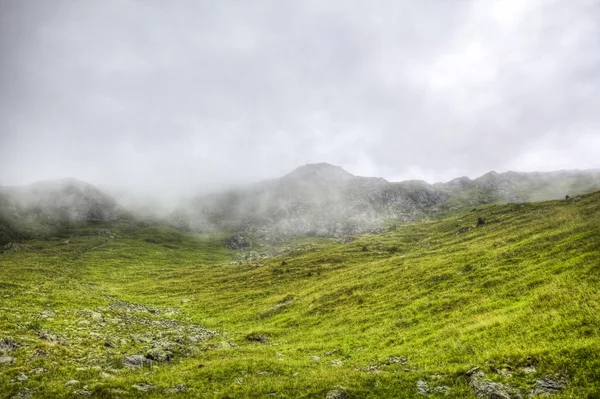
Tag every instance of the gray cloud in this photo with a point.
(159, 96)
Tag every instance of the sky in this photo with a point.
(162, 96)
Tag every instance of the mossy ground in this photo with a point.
(520, 293)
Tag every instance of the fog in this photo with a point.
(164, 99)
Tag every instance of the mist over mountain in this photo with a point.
(313, 200)
(325, 200)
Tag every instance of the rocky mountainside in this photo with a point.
(325, 200)
(52, 203)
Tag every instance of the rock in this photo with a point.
(485, 389)
(22, 377)
(50, 337)
(178, 388)
(143, 387)
(39, 370)
(8, 344)
(159, 355)
(425, 389)
(529, 370)
(257, 338)
(315, 358)
(12, 247)
(546, 386)
(83, 392)
(71, 383)
(394, 360)
(134, 361)
(25, 394)
(238, 242)
(337, 393)
(422, 387)
(47, 313)
(7, 360)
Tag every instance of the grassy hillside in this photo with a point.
(382, 316)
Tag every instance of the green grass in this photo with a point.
(522, 290)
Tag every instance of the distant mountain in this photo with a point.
(315, 199)
(54, 203)
(325, 200)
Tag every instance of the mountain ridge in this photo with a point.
(317, 199)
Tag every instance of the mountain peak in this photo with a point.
(320, 172)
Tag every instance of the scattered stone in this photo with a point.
(25, 394)
(238, 242)
(529, 370)
(83, 392)
(395, 360)
(337, 393)
(315, 358)
(8, 344)
(22, 377)
(51, 337)
(485, 389)
(424, 388)
(143, 387)
(336, 363)
(370, 369)
(13, 247)
(134, 361)
(159, 354)
(257, 338)
(71, 383)
(547, 386)
(7, 360)
(178, 388)
(39, 370)
(47, 313)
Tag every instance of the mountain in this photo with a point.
(54, 203)
(325, 200)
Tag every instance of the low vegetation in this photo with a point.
(453, 308)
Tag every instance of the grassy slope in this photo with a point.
(523, 289)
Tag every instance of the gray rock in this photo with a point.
(238, 242)
(395, 360)
(8, 344)
(22, 377)
(485, 389)
(159, 354)
(12, 247)
(178, 388)
(47, 313)
(143, 387)
(257, 338)
(71, 383)
(25, 394)
(546, 386)
(134, 361)
(337, 393)
(7, 360)
(83, 392)
(424, 388)
(315, 358)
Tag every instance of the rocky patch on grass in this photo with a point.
(13, 247)
(337, 393)
(486, 389)
(426, 388)
(547, 386)
(8, 344)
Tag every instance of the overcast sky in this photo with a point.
(162, 95)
